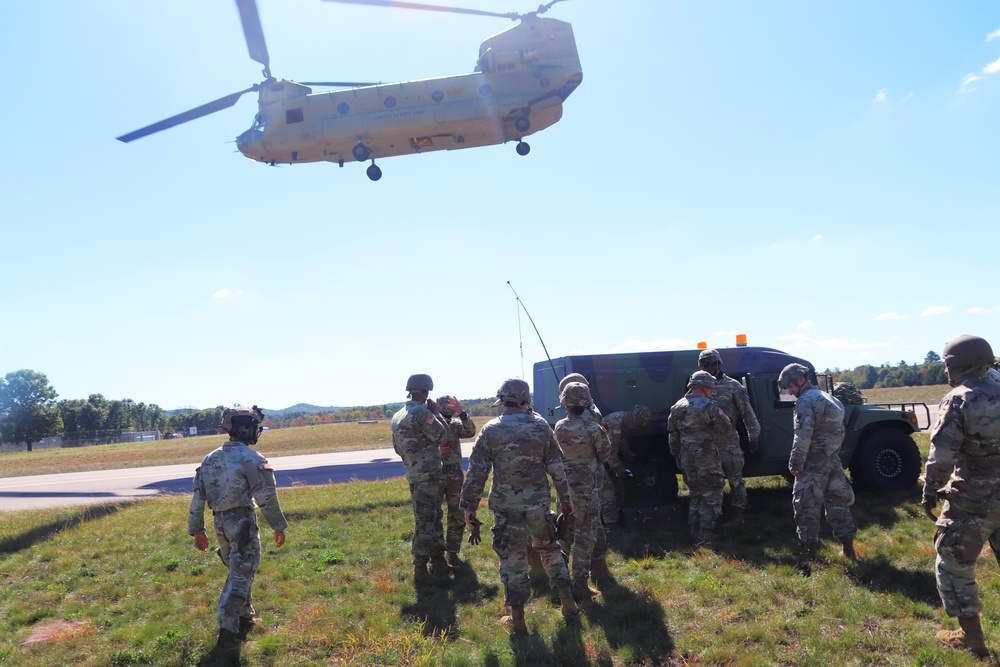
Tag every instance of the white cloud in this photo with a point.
(226, 293)
(935, 310)
(818, 237)
(804, 326)
(725, 334)
(222, 293)
(993, 67)
(633, 345)
(993, 35)
(804, 340)
(970, 79)
(881, 96)
(979, 310)
(890, 316)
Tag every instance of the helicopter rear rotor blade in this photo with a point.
(203, 110)
(254, 34)
(434, 8)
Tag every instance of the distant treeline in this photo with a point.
(479, 407)
(930, 372)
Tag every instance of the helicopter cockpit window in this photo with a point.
(294, 116)
(485, 62)
(259, 122)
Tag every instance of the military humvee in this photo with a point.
(877, 449)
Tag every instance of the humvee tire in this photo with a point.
(886, 459)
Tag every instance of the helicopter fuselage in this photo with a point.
(523, 76)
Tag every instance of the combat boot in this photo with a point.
(695, 529)
(736, 519)
(569, 608)
(599, 571)
(849, 552)
(247, 624)
(807, 554)
(582, 591)
(453, 560)
(421, 575)
(970, 638)
(515, 622)
(439, 566)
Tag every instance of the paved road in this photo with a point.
(101, 486)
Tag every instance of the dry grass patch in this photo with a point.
(59, 631)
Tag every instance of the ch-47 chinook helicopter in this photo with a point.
(520, 81)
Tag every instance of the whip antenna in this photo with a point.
(521, 303)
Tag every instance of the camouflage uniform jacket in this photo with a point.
(617, 431)
(232, 476)
(965, 447)
(417, 435)
(520, 449)
(458, 428)
(695, 421)
(730, 395)
(819, 427)
(584, 442)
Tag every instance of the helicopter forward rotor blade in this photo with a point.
(339, 84)
(203, 110)
(254, 34)
(434, 8)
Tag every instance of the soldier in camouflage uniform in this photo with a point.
(586, 446)
(418, 431)
(820, 482)
(695, 427)
(963, 467)
(520, 449)
(605, 489)
(619, 426)
(460, 426)
(730, 395)
(229, 481)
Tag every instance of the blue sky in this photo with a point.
(820, 176)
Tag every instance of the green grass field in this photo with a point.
(122, 585)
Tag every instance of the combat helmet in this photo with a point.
(572, 377)
(965, 356)
(708, 357)
(701, 379)
(513, 390)
(447, 404)
(419, 382)
(791, 372)
(243, 423)
(575, 395)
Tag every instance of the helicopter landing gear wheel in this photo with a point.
(522, 124)
(522, 148)
(374, 172)
(361, 152)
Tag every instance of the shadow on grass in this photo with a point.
(350, 510)
(880, 575)
(37, 534)
(633, 620)
(568, 649)
(436, 604)
(767, 537)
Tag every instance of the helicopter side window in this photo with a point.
(294, 116)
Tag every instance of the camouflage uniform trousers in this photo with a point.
(611, 491)
(958, 544)
(821, 485)
(428, 538)
(239, 547)
(584, 527)
(706, 482)
(512, 533)
(451, 492)
(732, 466)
